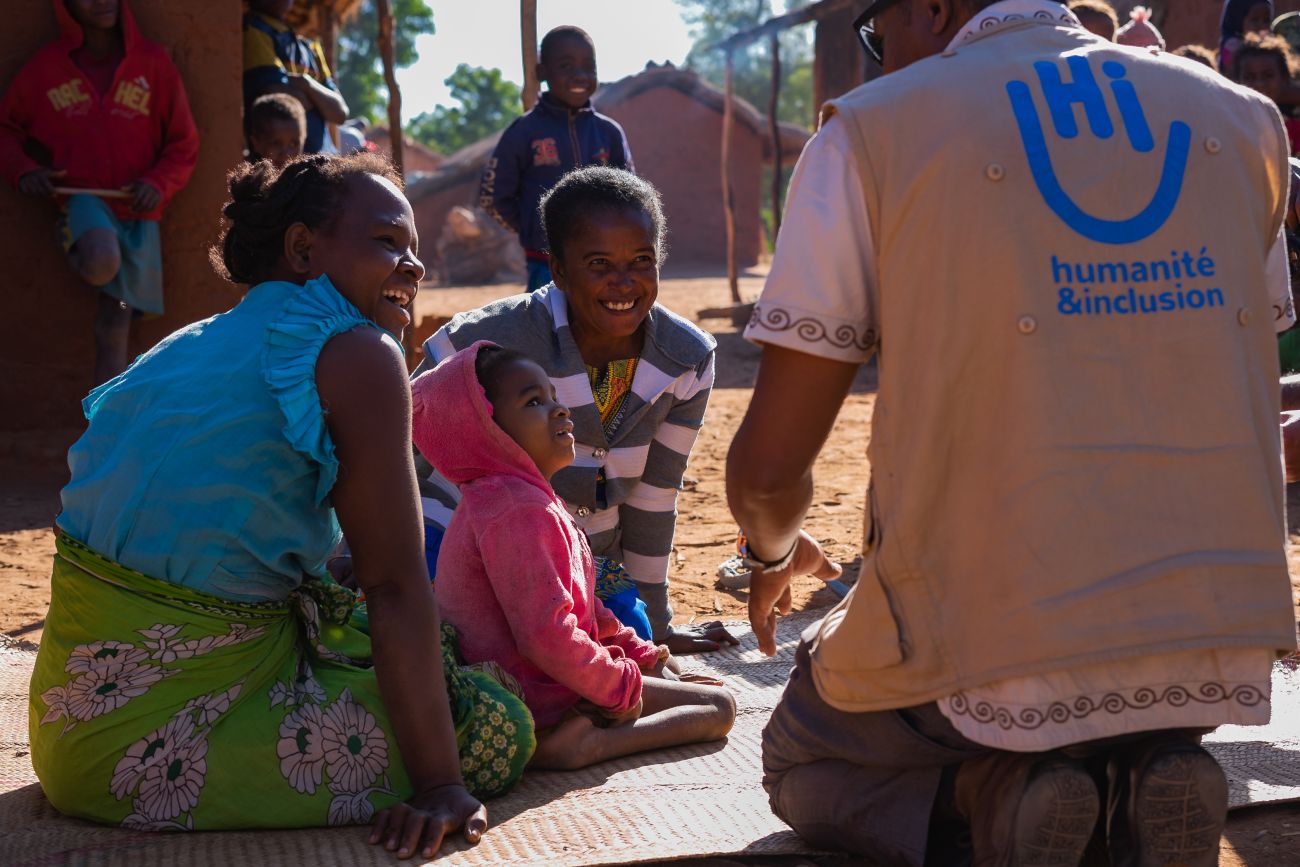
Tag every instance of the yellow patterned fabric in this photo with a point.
(610, 386)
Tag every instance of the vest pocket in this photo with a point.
(861, 633)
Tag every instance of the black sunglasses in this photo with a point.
(865, 26)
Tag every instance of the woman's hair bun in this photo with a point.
(265, 201)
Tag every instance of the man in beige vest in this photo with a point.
(1067, 257)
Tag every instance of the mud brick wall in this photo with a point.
(46, 345)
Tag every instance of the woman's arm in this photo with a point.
(329, 103)
(367, 401)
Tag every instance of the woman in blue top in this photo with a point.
(197, 671)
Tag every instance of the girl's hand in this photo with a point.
(630, 715)
(603, 717)
(420, 824)
(663, 670)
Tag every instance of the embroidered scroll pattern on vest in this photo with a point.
(1060, 712)
(1083, 89)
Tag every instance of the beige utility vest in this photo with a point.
(1075, 445)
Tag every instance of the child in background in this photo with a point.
(276, 126)
(1199, 53)
(1097, 16)
(516, 576)
(1265, 64)
(1239, 18)
(1139, 32)
(106, 110)
(278, 60)
(562, 132)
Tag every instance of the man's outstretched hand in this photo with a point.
(769, 592)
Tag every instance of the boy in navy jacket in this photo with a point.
(561, 133)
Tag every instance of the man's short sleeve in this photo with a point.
(323, 66)
(259, 51)
(819, 297)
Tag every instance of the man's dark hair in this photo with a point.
(558, 34)
(266, 201)
(588, 193)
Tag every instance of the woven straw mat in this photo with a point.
(695, 801)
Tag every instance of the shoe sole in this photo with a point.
(1056, 830)
(1179, 810)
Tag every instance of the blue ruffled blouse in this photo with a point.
(208, 462)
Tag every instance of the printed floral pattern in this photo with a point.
(163, 773)
(325, 739)
(340, 740)
(302, 755)
(356, 750)
(111, 673)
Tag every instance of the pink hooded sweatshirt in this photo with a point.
(515, 575)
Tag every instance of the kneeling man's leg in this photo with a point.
(1168, 803)
(859, 782)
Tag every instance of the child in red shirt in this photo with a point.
(102, 108)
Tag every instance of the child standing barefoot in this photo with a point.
(516, 577)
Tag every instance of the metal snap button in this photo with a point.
(583, 511)
(1243, 316)
(1027, 325)
(1213, 145)
(599, 453)
(994, 172)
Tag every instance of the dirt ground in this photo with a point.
(32, 470)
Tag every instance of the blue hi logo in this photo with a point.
(1083, 89)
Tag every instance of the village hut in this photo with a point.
(673, 120)
(418, 159)
(46, 344)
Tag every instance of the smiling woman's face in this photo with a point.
(609, 268)
(369, 253)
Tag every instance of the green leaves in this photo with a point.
(488, 103)
(714, 20)
(359, 74)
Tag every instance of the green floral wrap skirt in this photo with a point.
(155, 706)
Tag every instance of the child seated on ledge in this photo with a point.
(516, 577)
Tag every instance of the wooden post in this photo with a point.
(396, 138)
(728, 202)
(528, 41)
(329, 36)
(395, 134)
(775, 126)
(839, 63)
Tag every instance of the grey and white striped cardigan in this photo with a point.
(644, 461)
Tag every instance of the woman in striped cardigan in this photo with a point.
(636, 377)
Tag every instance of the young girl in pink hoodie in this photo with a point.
(516, 578)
